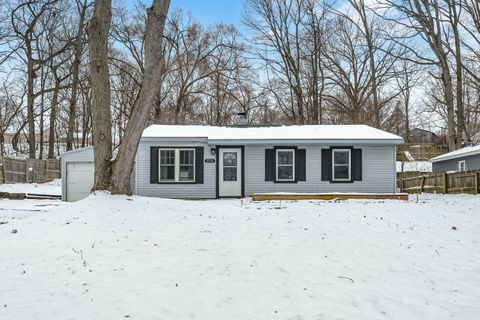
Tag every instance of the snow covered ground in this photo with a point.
(113, 257)
(422, 166)
(51, 188)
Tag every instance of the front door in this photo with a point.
(230, 172)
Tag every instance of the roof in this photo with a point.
(66, 153)
(305, 132)
(463, 152)
(423, 130)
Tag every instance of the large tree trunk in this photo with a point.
(154, 68)
(98, 29)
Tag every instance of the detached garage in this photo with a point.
(77, 174)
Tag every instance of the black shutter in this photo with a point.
(326, 164)
(357, 164)
(153, 164)
(199, 165)
(269, 165)
(300, 165)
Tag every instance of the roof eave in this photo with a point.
(276, 141)
(455, 156)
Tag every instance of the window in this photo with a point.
(341, 168)
(285, 165)
(462, 166)
(229, 166)
(177, 165)
(167, 165)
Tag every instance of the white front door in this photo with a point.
(230, 172)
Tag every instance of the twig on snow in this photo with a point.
(342, 277)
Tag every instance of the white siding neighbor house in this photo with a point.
(182, 161)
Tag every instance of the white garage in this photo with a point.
(77, 174)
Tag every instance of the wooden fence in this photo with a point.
(440, 182)
(419, 151)
(28, 171)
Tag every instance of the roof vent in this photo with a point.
(242, 119)
(466, 144)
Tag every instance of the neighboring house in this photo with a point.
(215, 162)
(464, 159)
(418, 135)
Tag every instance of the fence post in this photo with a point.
(45, 178)
(477, 178)
(445, 183)
(26, 170)
(422, 184)
(3, 169)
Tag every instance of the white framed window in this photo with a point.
(285, 164)
(176, 165)
(341, 164)
(462, 166)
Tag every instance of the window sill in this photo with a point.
(285, 181)
(175, 182)
(341, 181)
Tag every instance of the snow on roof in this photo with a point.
(305, 132)
(462, 152)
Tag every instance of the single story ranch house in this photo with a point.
(206, 162)
(463, 159)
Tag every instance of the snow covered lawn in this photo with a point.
(111, 257)
(51, 188)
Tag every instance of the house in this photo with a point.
(463, 159)
(186, 161)
(417, 135)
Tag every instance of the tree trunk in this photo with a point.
(459, 74)
(53, 117)
(154, 68)
(98, 29)
(41, 131)
(30, 102)
(75, 69)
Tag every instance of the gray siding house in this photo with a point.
(177, 161)
(464, 159)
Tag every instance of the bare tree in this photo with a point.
(82, 8)
(424, 19)
(124, 162)
(98, 29)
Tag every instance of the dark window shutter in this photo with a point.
(269, 165)
(326, 164)
(300, 165)
(199, 165)
(357, 164)
(153, 164)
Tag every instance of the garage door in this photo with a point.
(79, 180)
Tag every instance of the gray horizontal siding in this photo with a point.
(207, 189)
(378, 172)
(472, 162)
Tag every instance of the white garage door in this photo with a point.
(79, 180)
